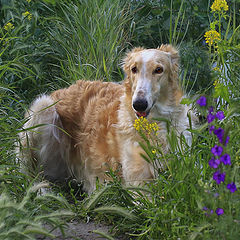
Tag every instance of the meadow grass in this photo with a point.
(23, 212)
(68, 40)
(88, 37)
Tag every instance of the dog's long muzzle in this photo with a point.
(140, 106)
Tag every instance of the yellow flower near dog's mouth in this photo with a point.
(142, 124)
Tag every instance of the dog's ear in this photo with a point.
(127, 59)
(174, 56)
(173, 52)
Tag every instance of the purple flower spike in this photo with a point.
(213, 163)
(232, 187)
(219, 177)
(210, 117)
(220, 115)
(219, 211)
(226, 159)
(211, 129)
(217, 150)
(202, 101)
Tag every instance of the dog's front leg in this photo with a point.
(136, 170)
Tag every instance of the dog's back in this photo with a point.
(76, 132)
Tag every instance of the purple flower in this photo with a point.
(219, 211)
(220, 115)
(210, 110)
(217, 150)
(211, 129)
(216, 195)
(213, 163)
(219, 132)
(210, 117)
(226, 159)
(226, 141)
(202, 101)
(207, 211)
(232, 187)
(219, 177)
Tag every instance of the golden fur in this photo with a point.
(88, 128)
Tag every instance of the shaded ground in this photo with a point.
(77, 230)
(81, 231)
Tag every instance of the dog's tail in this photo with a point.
(43, 143)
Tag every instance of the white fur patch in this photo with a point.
(148, 55)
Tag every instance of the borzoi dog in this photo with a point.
(85, 129)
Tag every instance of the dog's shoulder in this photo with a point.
(84, 99)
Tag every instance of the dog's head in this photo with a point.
(152, 76)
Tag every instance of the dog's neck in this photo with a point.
(169, 109)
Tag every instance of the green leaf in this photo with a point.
(50, 1)
(221, 91)
(187, 101)
(116, 211)
(96, 198)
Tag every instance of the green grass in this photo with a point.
(69, 40)
(89, 38)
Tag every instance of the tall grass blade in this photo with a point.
(116, 211)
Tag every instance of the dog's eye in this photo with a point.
(158, 70)
(134, 70)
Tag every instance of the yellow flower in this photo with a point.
(9, 26)
(215, 83)
(219, 5)
(154, 151)
(4, 41)
(212, 36)
(144, 125)
(28, 15)
(217, 69)
(29, 1)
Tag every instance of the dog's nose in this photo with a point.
(140, 105)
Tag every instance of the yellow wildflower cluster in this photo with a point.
(219, 5)
(9, 26)
(28, 15)
(143, 124)
(212, 36)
